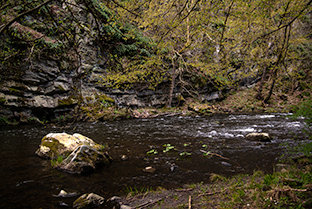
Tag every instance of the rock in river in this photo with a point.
(83, 159)
(63, 193)
(89, 200)
(261, 137)
(80, 153)
(61, 144)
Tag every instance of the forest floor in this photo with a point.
(244, 100)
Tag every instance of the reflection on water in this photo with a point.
(27, 181)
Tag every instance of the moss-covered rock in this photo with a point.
(89, 200)
(83, 159)
(61, 144)
(80, 153)
(202, 108)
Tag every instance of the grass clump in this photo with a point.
(57, 161)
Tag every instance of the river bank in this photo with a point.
(288, 187)
(104, 109)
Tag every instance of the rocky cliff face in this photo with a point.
(46, 87)
(38, 93)
(45, 91)
(42, 87)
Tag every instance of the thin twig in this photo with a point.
(23, 14)
(211, 193)
(183, 190)
(190, 202)
(285, 25)
(210, 153)
(12, 55)
(135, 14)
(146, 204)
(289, 189)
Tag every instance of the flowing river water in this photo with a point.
(27, 181)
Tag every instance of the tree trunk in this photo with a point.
(172, 81)
(259, 94)
(271, 91)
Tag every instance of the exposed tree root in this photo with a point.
(278, 193)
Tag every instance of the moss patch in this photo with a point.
(2, 100)
(67, 102)
(103, 97)
(56, 148)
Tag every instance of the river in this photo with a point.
(27, 181)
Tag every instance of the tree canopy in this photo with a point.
(223, 42)
(198, 44)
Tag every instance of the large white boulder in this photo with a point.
(73, 153)
(54, 145)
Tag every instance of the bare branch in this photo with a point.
(179, 13)
(170, 29)
(135, 14)
(285, 25)
(4, 6)
(12, 55)
(3, 28)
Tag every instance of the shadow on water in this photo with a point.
(27, 181)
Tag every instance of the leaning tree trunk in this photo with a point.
(271, 91)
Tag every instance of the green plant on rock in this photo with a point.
(15, 91)
(34, 119)
(4, 120)
(103, 147)
(57, 161)
(104, 103)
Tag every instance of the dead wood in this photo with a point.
(211, 193)
(148, 203)
(215, 154)
(278, 193)
(184, 190)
